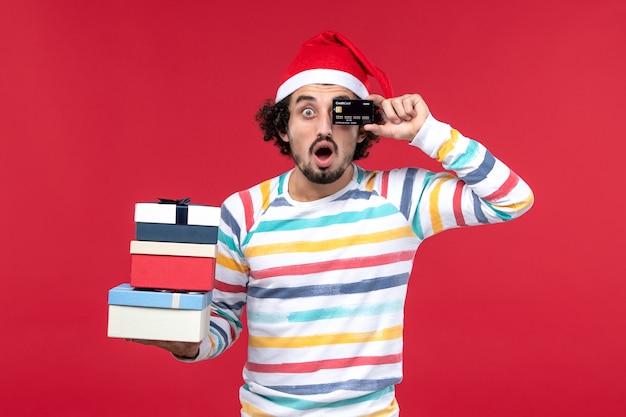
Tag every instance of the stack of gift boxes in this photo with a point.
(171, 275)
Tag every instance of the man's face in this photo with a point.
(321, 151)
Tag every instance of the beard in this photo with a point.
(322, 175)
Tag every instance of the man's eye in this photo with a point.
(308, 113)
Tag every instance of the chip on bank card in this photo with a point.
(353, 112)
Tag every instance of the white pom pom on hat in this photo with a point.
(330, 58)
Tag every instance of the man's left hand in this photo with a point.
(403, 116)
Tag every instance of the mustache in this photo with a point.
(323, 138)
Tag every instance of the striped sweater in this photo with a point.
(324, 282)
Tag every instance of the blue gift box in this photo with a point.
(159, 232)
(126, 295)
(158, 315)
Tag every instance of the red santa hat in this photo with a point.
(330, 58)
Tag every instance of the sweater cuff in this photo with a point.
(431, 136)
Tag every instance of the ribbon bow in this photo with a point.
(181, 202)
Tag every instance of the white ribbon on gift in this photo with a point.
(176, 300)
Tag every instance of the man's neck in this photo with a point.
(302, 189)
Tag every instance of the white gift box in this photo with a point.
(158, 315)
(158, 323)
(193, 214)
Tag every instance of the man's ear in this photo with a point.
(362, 135)
(284, 136)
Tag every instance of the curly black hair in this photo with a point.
(273, 119)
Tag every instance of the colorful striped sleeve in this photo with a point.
(231, 277)
(238, 215)
(484, 190)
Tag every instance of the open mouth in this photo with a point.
(323, 151)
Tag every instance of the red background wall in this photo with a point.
(103, 104)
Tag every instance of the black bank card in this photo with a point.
(353, 112)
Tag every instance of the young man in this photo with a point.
(321, 255)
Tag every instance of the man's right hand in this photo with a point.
(182, 350)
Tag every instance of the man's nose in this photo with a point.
(324, 124)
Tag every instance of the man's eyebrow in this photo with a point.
(304, 98)
(311, 98)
